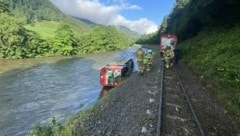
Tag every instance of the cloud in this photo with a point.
(142, 26)
(107, 13)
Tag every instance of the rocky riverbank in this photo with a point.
(132, 107)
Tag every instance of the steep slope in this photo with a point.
(191, 16)
(36, 11)
(133, 35)
(209, 34)
(44, 10)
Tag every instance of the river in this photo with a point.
(34, 90)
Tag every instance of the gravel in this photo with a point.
(133, 107)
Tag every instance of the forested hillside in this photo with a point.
(43, 10)
(191, 16)
(37, 28)
(209, 31)
(35, 10)
(32, 11)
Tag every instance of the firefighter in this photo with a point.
(168, 56)
(145, 62)
(149, 58)
(140, 56)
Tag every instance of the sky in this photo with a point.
(142, 16)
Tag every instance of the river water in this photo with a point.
(34, 90)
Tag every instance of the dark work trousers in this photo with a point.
(176, 55)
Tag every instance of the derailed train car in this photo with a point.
(111, 75)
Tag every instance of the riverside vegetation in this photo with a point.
(22, 40)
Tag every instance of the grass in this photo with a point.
(46, 29)
(215, 55)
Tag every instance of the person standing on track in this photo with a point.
(140, 56)
(149, 58)
(168, 56)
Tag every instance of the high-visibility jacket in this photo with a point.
(150, 58)
(145, 60)
(140, 55)
(169, 54)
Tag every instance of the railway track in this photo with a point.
(176, 114)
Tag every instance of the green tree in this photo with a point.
(152, 38)
(188, 17)
(103, 38)
(37, 46)
(64, 42)
(4, 7)
(15, 40)
(12, 36)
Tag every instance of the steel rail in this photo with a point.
(189, 104)
(159, 125)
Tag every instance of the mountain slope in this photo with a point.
(132, 34)
(35, 11)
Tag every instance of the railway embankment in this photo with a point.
(132, 109)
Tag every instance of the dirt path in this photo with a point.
(133, 109)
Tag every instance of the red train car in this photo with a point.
(111, 75)
(168, 40)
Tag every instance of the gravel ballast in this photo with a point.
(133, 107)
